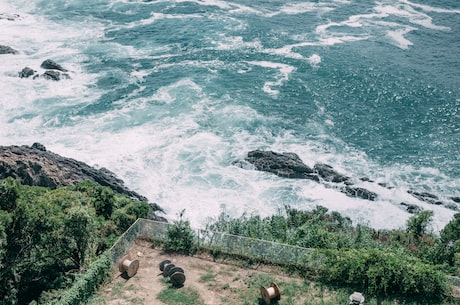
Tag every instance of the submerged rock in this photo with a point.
(426, 197)
(10, 17)
(359, 192)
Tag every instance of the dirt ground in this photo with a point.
(216, 281)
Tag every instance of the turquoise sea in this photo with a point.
(167, 94)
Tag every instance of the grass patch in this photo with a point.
(207, 277)
(182, 296)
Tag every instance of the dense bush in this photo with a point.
(381, 272)
(85, 284)
(47, 235)
(412, 263)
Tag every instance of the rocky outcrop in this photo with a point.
(52, 65)
(34, 165)
(54, 71)
(289, 165)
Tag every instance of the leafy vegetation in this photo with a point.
(180, 237)
(47, 237)
(411, 263)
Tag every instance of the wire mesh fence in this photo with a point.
(225, 243)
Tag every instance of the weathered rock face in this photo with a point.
(36, 166)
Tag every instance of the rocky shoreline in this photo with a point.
(36, 166)
(289, 165)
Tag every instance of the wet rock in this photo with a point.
(26, 72)
(385, 185)
(455, 199)
(52, 65)
(7, 50)
(359, 192)
(411, 208)
(287, 165)
(326, 172)
(426, 197)
(54, 75)
(10, 17)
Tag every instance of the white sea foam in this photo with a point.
(284, 70)
(428, 8)
(176, 145)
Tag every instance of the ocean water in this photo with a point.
(167, 94)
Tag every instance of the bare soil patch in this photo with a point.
(216, 281)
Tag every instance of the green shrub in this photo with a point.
(381, 272)
(86, 283)
(180, 237)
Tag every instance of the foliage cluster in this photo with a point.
(47, 237)
(412, 262)
(85, 284)
(180, 237)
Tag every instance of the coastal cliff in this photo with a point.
(36, 166)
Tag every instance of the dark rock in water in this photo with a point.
(426, 197)
(385, 185)
(287, 165)
(10, 17)
(326, 172)
(54, 75)
(38, 167)
(7, 50)
(26, 72)
(51, 64)
(359, 192)
(411, 208)
(455, 199)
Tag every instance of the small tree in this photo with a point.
(79, 225)
(8, 194)
(180, 237)
(417, 224)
